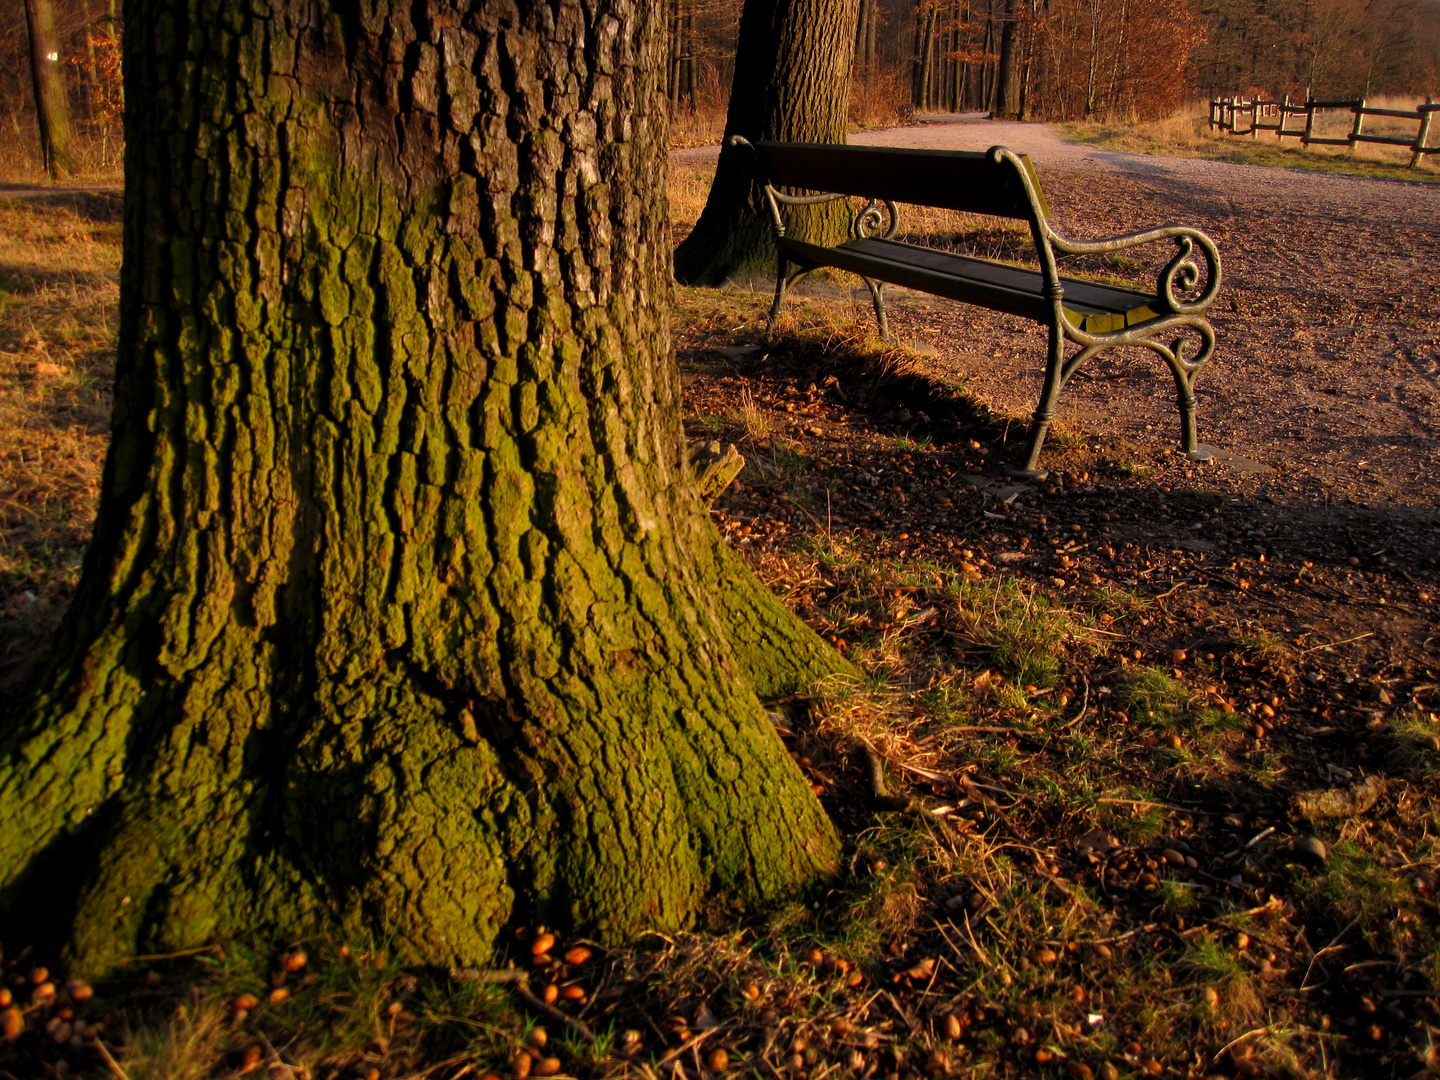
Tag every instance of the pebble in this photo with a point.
(1311, 849)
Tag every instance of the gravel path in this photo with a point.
(1328, 321)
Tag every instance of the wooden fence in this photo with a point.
(1241, 117)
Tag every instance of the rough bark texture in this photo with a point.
(792, 83)
(402, 617)
(52, 108)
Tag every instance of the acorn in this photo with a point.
(550, 993)
(246, 1002)
(522, 1064)
(6, 998)
(717, 1060)
(79, 991)
(251, 1061)
(296, 960)
(39, 975)
(278, 995)
(577, 956)
(543, 943)
(572, 992)
(547, 1066)
(539, 1037)
(750, 992)
(12, 1024)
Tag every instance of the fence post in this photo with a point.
(1359, 123)
(1284, 115)
(1421, 139)
(1309, 119)
(1254, 119)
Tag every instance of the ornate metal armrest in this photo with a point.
(863, 223)
(1181, 275)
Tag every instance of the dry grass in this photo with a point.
(1187, 134)
(59, 260)
(97, 157)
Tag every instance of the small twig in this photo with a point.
(110, 1061)
(1084, 706)
(988, 729)
(1175, 588)
(521, 979)
(1334, 946)
(1147, 928)
(694, 1040)
(170, 956)
(276, 1059)
(1332, 644)
(1234, 1042)
(879, 794)
(1145, 803)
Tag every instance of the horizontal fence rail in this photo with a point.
(1241, 117)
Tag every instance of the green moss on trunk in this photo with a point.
(402, 615)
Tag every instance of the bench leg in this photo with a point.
(782, 286)
(1185, 371)
(1045, 412)
(877, 294)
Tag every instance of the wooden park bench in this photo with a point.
(998, 183)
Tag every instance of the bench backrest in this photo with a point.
(963, 180)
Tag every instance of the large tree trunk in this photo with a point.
(402, 616)
(792, 82)
(52, 108)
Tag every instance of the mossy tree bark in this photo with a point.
(793, 60)
(402, 616)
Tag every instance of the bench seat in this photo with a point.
(1090, 306)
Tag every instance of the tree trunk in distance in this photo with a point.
(1005, 66)
(52, 108)
(403, 620)
(792, 83)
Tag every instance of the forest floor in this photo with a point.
(1159, 739)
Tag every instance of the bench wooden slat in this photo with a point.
(1089, 297)
(1093, 307)
(950, 179)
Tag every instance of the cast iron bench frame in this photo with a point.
(997, 183)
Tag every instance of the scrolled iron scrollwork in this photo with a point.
(1182, 276)
(869, 220)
